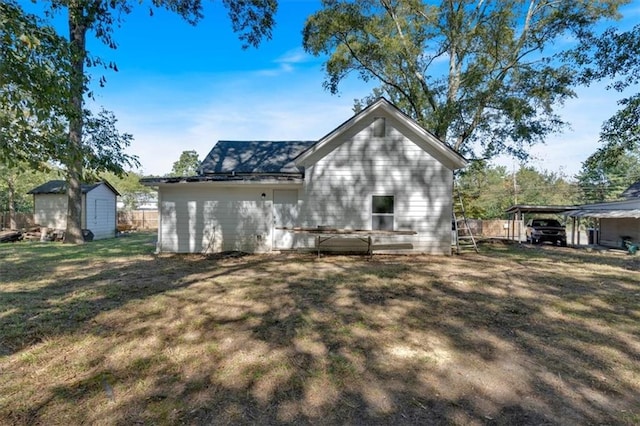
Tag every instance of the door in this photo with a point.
(285, 214)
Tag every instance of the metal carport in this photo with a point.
(516, 218)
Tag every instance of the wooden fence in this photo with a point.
(135, 219)
(148, 219)
(138, 219)
(498, 228)
(23, 220)
(494, 228)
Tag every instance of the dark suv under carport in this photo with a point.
(541, 230)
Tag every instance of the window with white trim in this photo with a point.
(382, 212)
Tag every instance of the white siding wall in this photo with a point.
(339, 188)
(99, 215)
(611, 231)
(202, 218)
(50, 210)
(98, 211)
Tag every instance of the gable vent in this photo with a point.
(379, 130)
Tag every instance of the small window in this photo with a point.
(382, 212)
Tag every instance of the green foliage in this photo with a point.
(545, 188)
(187, 164)
(33, 63)
(611, 55)
(485, 190)
(252, 20)
(616, 164)
(17, 180)
(480, 75)
(607, 173)
(488, 191)
(129, 186)
(104, 146)
(44, 83)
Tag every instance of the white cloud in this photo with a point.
(167, 117)
(287, 63)
(295, 56)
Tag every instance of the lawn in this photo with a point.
(109, 333)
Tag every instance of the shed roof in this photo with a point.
(253, 157)
(60, 187)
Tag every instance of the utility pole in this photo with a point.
(515, 185)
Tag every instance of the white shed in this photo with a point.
(617, 221)
(378, 171)
(98, 207)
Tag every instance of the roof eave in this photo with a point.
(226, 178)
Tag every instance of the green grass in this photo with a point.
(128, 245)
(110, 333)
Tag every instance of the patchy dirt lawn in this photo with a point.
(514, 335)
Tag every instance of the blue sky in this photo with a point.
(181, 87)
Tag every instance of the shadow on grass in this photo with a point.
(78, 283)
(512, 336)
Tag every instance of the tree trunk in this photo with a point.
(77, 36)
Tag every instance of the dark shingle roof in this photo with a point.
(633, 191)
(60, 187)
(240, 157)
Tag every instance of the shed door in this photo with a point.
(285, 213)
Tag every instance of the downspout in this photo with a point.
(83, 213)
(159, 243)
(115, 211)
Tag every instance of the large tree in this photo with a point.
(613, 56)
(483, 75)
(488, 191)
(187, 164)
(252, 19)
(607, 173)
(34, 61)
(132, 192)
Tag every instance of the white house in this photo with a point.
(98, 207)
(377, 171)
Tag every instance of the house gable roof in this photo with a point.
(253, 157)
(633, 191)
(423, 138)
(60, 187)
(230, 161)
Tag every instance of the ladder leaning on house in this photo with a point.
(462, 231)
